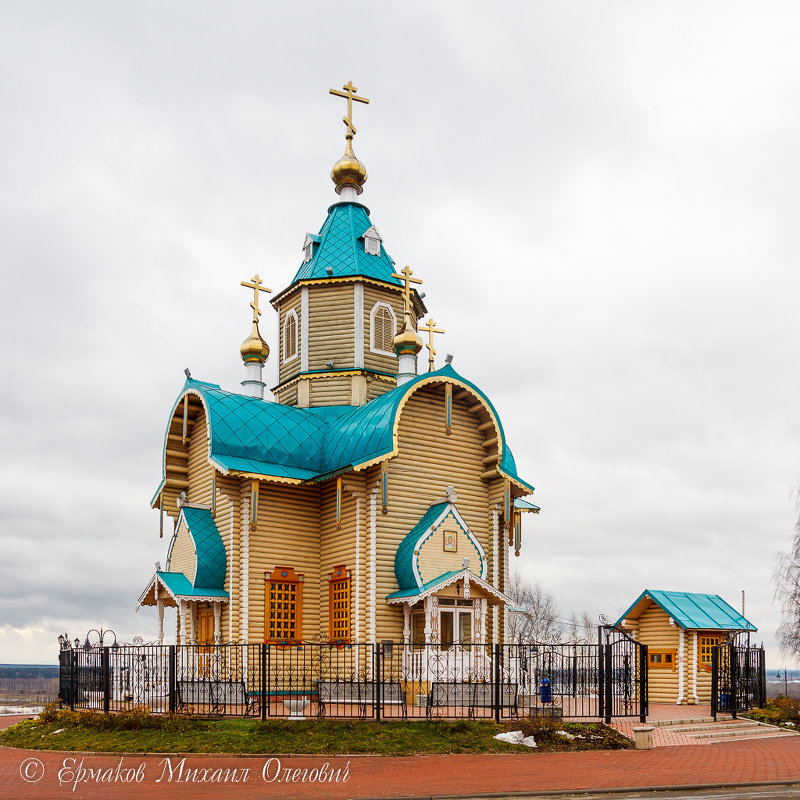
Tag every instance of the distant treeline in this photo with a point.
(28, 680)
(28, 671)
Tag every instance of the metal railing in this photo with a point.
(368, 681)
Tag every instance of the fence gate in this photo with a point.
(623, 675)
(738, 678)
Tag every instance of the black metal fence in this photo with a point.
(738, 678)
(390, 680)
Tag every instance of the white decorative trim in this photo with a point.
(308, 248)
(373, 543)
(372, 313)
(406, 623)
(290, 319)
(245, 574)
(694, 667)
(230, 575)
(428, 618)
(157, 581)
(505, 583)
(160, 607)
(358, 325)
(681, 668)
(450, 507)
(280, 328)
(304, 329)
(372, 241)
(464, 575)
(357, 604)
(495, 570)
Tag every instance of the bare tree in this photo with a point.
(787, 592)
(534, 614)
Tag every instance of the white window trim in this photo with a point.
(291, 314)
(372, 314)
(372, 239)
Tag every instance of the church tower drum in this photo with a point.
(339, 316)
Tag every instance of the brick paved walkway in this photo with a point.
(735, 762)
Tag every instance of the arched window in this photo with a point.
(290, 336)
(383, 325)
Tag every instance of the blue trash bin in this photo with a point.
(545, 691)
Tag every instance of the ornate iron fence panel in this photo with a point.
(553, 679)
(350, 680)
(623, 675)
(738, 678)
(433, 680)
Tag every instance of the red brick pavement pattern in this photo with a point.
(736, 762)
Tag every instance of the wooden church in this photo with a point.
(371, 500)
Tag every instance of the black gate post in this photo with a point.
(762, 678)
(734, 662)
(607, 689)
(73, 678)
(601, 674)
(264, 696)
(643, 685)
(497, 682)
(105, 674)
(173, 678)
(714, 682)
(376, 687)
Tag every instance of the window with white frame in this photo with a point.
(382, 326)
(290, 336)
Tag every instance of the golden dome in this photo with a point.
(254, 348)
(349, 171)
(408, 340)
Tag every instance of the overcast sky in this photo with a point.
(602, 200)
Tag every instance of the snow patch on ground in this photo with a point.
(516, 737)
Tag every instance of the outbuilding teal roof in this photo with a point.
(691, 611)
(211, 559)
(251, 435)
(341, 248)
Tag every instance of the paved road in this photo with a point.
(29, 775)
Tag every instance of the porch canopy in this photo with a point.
(172, 587)
(204, 578)
(465, 580)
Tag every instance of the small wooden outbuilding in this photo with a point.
(680, 629)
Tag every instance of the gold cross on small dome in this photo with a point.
(349, 94)
(405, 276)
(431, 329)
(256, 287)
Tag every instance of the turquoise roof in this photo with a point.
(342, 249)
(692, 611)
(211, 559)
(252, 435)
(415, 590)
(404, 556)
(179, 585)
(524, 505)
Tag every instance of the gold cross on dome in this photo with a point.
(405, 276)
(256, 287)
(350, 94)
(431, 329)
